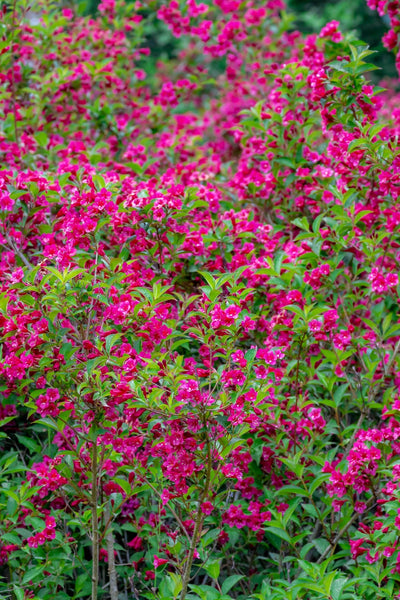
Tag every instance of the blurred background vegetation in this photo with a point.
(354, 16)
(311, 15)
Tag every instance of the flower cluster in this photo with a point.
(41, 537)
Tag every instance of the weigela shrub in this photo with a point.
(199, 306)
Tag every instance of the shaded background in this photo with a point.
(354, 16)
(311, 15)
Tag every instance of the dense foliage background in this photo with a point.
(199, 303)
(309, 16)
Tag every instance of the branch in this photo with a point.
(111, 559)
(342, 532)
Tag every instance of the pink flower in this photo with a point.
(189, 391)
(330, 319)
(235, 377)
(17, 275)
(331, 31)
(360, 507)
(67, 13)
(207, 508)
(50, 522)
(165, 497)
(158, 562)
(136, 543)
(314, 325)
(357, 548)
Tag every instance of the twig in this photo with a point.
(14, 103)
(198, 524)
(393, 358)
(179, 521)
(111, 559)
(95, 523)
(342, 532)
(16, 251)
(357, 427)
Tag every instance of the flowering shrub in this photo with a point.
(198, 307)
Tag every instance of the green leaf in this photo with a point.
(328, 580)
(278, 261)
(4, 300)
(317, 223)
(80, 582)
(230, 582)
(178, 344)
(301, 223)
(19, 592)
(42, 138)
(74, 273)
(289, 512)
(11, 538)
(321, 545)
(340, 66)
(213, 569)
(56, 273)
(293, 489)
(177, 583)
(337, 587)
(250, 354)
(47, 422)
(315, 587)
(297, 310)
(11, 494)
(110, 341)
(29, 443)
(93, 363)
(281, 533)
(206, 592)
(32, 574)
(317, 482)
(356, 144)
(360, 215)
(210, 279)
(68, 350)
(365, 68)
(124, 484)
